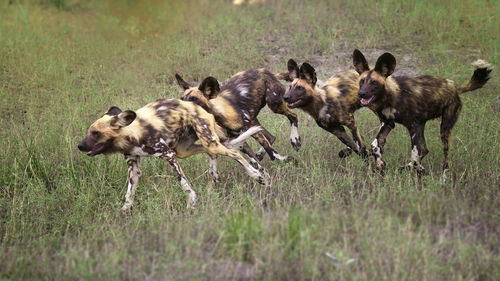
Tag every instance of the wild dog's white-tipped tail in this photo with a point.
(482, 64)
(479, 78)
(237, 142)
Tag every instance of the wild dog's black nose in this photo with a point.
(286, 98)
(81, 147)
(362, 94)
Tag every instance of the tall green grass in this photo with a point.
(326, 219)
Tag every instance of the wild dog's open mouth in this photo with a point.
(97, 149)
(295, 104)
(366, 102)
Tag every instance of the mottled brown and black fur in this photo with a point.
(168, 129)
(412, 101)
(331, 104)
(237, 103)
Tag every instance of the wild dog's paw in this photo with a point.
(296, 142)
(126, 208)
(346, 152)
(260, 154)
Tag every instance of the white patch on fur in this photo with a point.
(323, 114)
(212, 163)
(376, 149)
(242, 89)
(163, 107)
(294, 134)
(191, 194)
(280, 157)
(388, 112)
(414, 155)
(237, 142)
(481, 64)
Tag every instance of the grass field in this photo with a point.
(64, 63)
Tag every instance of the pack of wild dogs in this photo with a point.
(218, 119)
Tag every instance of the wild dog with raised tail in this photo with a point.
(331, 104)
(168, 129)
(412, 101)
(237, 103)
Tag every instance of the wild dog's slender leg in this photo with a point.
(379, 142)
(253, 159)
(273, 154)
(205, 130)
(169, 156)
(262, 152)
(418, 147)
(134, 172)
(341, 134)
(274, 100)
(213, 168)
(448, 120)
(358, 140)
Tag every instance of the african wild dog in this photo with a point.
(412, 101)
(166, 128)
(237, 103)
(331, 104)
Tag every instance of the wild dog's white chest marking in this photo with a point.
(389, 112)
(324, 115)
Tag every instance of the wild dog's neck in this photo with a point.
(389, 97)
(317, 102)
(128, 136)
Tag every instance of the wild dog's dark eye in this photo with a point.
(362, 81)
(95, 134)
(373, 82)
(299, 87)
(193, 99)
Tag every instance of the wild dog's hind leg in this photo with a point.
(274, 100)
(270, 138)
(205, 129)
(273, 154)
(253, 159)
(418, 148)
(450, 117)
(134, 172)
(169, 156)
(358, 140)
(341, 134)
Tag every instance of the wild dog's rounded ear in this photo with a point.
(308, 73)
(293, 69)
(183, 84)
(114, 110)
(209, 87)
(123, 119)
(359, 61)
(386, 64)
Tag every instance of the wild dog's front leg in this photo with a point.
(379, 142)
(169, 156)
(134, 172)
(213, 168)
(274, 99)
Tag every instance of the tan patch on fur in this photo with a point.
(223, 107)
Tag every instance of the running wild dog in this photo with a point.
(168, 129)
(412, 101)
(331, 104)
(237, 103)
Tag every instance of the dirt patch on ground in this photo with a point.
(339, 59)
